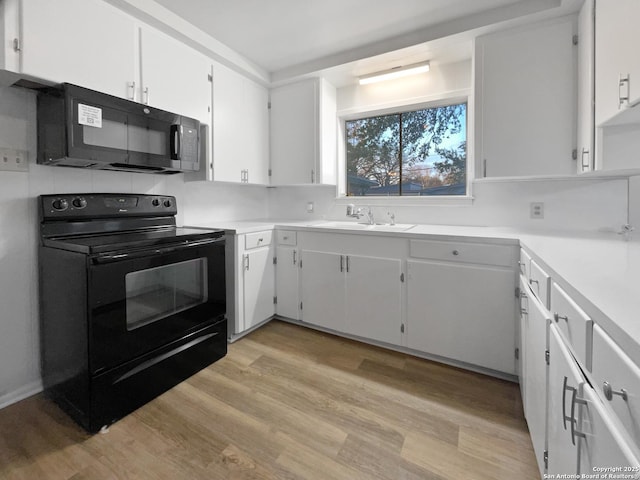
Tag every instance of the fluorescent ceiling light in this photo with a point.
(396, 72)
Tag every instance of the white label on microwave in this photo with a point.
(90, 116)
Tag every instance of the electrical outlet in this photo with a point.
(13, 160)
(536, 210)
(309, 207)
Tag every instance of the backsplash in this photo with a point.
(569, 204)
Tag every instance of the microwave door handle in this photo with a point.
(175, 137)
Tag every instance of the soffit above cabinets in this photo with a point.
(293, 38)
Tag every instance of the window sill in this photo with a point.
(444, 200)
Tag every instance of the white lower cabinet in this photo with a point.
(251, 281)
(374, 298)
(565, 384)
(323, 289)
(617, 379)
(353, 294)
(258, 285)
(287, 268)
(583, 435)
(463, 312)
(533, 380)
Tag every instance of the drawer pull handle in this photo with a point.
(609, 392)
(557, 317)
(532, 281)
(285, 238)
(260, 240)
(566, 388)
(455, 252)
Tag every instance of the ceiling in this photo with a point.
(288, 38)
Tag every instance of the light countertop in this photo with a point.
(599, 270)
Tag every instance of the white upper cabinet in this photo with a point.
(93, 44)
(586, 40)
(617, 85)
(240, 128)
(85, 42)
(617, 79)
(526, 100)
(173, 76)
(303, 133)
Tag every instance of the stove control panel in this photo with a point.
(101, 205)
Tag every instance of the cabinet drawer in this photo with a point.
(576, 325)
(525, 264)
(286, 237)
(613, 366)
(462, 252)
(539, 281)
(257, 239)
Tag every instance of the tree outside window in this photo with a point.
(421, 152)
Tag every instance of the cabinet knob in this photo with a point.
(557, 317)
(456, 252)
(609, 392)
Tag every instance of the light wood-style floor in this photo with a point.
(290, 403)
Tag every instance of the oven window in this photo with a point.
(160, 292)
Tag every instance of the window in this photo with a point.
(419, 152)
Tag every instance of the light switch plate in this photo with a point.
(14, 160)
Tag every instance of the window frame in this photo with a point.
(451, 98)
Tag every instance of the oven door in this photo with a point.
(142, 300)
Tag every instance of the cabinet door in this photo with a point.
(287, 282)
(603, 443)
(323, 289)
(585, 87)
(258, 286)
(614, 370)
(174, 77)
(227, 118)
(522, 331)
(462, 312)
(536, 320)
(565, 382)
(374, 298)
(240, 128)
(255, 128)
(86, 42)
(617, 38)
(294, 133)
(527, 100)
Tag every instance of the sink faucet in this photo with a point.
(625, 231)
(392, 217)
(352, 211)
(370, 216)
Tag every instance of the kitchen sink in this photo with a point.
(378, 227)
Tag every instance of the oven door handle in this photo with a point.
(151, 252)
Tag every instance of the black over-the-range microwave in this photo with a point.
(78, 127)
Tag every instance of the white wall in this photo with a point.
(569, 204)
(574, 204)
(441, 79)
(199, 203)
